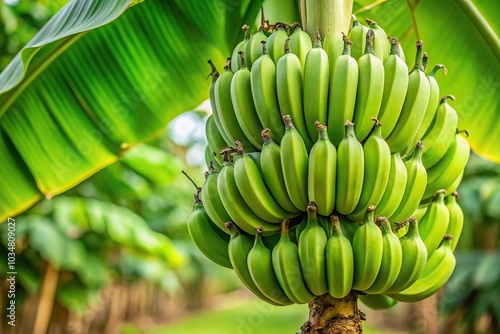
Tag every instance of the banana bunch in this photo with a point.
(331, 172)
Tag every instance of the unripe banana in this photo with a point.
(381, 47)
(339, 261)
(358, 37)
(343, 87)
(294, 161)
(287, 268)
(312, 244)
(350, 166)
(289, 87)
(415, 186)
(416, 100)
(414, 258)
(244, 108)
(348, 227)
(211, 200)
(434, 223)
(367, 250)
(322, 173)
(395, 87)
(236, 60)
(378, 302)
(370, 89)
(253, 49)
(316, 84)
(207, 237)
(276, 42)
(239, 247)
(377, 167)
(265, 96)
(395, 189)
(261, 270)
(300, 43)
(456, 218)
(215, 140)
(392, 259)
(215, 76)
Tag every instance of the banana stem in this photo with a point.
(329, 17)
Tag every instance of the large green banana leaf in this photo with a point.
(100, 77)
(464, 36)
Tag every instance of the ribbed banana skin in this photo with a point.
(378, 302)
(210, 158)
(367, 248)
(358, 37)
(434, 223)
(289, 88)
(312, 245)
(241, 46)
(456, 218)
(440, 134)
(339, 262)
(235, 205)
(443, 174)
(377, 167)
(350, 169)
(392, 259)
(260, 265)
(370, 89)
(395, 87)
(437, 272)
(244, 108)
(215, 76)
(415, 186)
(211, 201)
(348, 228)
(395, 188)
(276, 43)
(287, 268)
(316, 88)
(343, 88)
(294, 162)
(224, 104)
(265, 96)
(253, 190)
(414, 258)
(272, 171)
(413, 112)
(206, 238)
(381, 46)
(300, 43)
(321, 178)
(253, 49)
(215, 140)
(239, 247)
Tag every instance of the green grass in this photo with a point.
(254, 317)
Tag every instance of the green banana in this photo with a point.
(215, 140)
(414, 258)
(215, 76)
(207, 237)
(378, 302)
(443, 174)
(321, 178)
(294, 161)
(367, 249)
(440, 134)
(289, 87)
(265, 96)
(343, 87)
(316, 88)
(370, 89)
(312, 244)
(286, 266)
(253, 190)
(339, 261)
(348, 227)
(381, 47)
(239, 247)
(415, 186)
(350, 169)
(244, 108)
(276, 42)
(261, 270)
(358, 37)
(395, 87)
(236, 60)
(456, 218)
(300, 43)
(225, 108)
(377, 167)
(253, 48)
(414, 107)
(210, 158)
(395, 189)
(434, 223)
(437, 272)
(270, 165)
(211, 200)
(392, 259)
